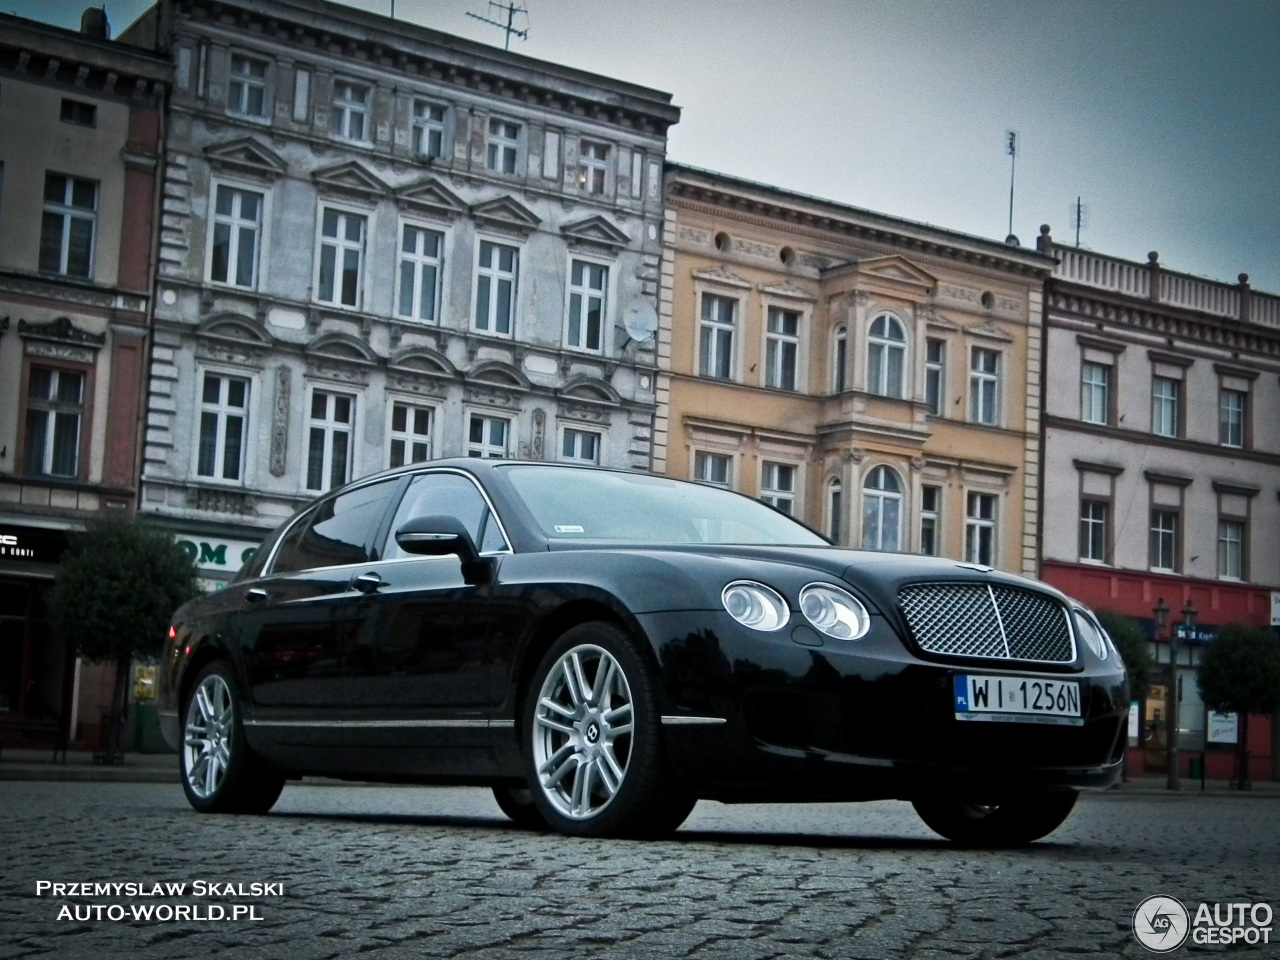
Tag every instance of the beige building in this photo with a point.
(877, 378)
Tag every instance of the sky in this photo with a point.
(1163, 116)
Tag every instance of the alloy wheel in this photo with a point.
(207, 738)
(583, 731)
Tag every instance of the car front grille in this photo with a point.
(987, 620)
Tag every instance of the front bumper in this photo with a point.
(806, 717)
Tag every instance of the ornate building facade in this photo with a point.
(877, 378)
(1162, 462)
(382, 244)
(80, 129)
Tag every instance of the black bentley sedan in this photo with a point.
(603, 648)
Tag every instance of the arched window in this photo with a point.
(839, 360)
(881, 510)
(835, 508)
(886, 355)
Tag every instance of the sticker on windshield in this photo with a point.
(569, 528)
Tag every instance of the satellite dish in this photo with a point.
(640, 320)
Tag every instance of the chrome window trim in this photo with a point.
(268, 569)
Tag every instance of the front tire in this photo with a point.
(594, 754)
(1012, 823)
(219, 772)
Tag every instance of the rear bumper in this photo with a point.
(862, 720)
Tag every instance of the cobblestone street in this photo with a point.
(419, 872)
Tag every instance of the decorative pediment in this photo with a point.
(500, 373)
(591, 389)
(893, 276)
(991, 331)
(341, 346)
(422, 359)
(724, 276)
(791, 291)
(349, 178)
(246, 156)
(235, 328)
(432, 196)
(595, 231)
(506, 213)
(60, 330)
(899, 269)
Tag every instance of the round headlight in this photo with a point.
(1092, 634)
(835, 612)
(756, 606)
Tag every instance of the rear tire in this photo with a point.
(1013, 823)
(594, 753)
(219, 772)
(517, 803)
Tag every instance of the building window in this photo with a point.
(428, 129)
(712, 468)
(935, 383)
(886, 356)
(1165, 396)
(1164, 540)
(1095, 393)
(1231, 417)
(419, 273)
(580, 446)
(881, 510)
(841, 362)
(1094, 524)
(835, 509)
(487, 437)
(782, 348)
(716, 336)
(504, 146)
(237, 225)
(980, 529)
(80, 113)
(329, 439)
(66, 231)
(55, 406)
(984, 386)
(224, 407)
(341, 258)
(593, 164)
(587, 284)
(930, 508)
(410, 434)
(350, 119)
(1230, 549)
(778, 486)
(496, 288)
(247, 86)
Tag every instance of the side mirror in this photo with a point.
(438, 536)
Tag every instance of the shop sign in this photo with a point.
(32, 544)
(213, 554)
(144, 682)
(1275, 608)
(1222, 727)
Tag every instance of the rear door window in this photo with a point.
(339, 531)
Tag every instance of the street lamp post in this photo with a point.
(1161, 613)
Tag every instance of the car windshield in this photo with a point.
(570, 504)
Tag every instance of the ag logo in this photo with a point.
(1161, 924)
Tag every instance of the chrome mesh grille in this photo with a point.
(997, 622)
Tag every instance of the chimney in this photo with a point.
(94, 23)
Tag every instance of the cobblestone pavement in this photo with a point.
(421, 873)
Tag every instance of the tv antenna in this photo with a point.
(1011, 148)
(1079, 213)
(510, 9)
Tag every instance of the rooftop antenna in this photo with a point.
(1079, 214)
(510, 9)
(1011, 148)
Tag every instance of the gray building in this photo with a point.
(382, 244)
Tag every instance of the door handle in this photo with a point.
(255, 595)
(367, 582)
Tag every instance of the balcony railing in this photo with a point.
(1151, 281)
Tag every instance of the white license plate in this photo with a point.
(1018, 699)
